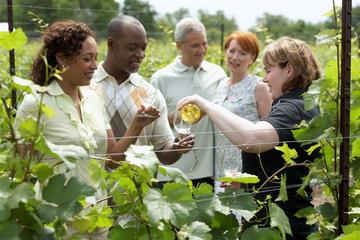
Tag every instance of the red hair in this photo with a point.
(247, 41)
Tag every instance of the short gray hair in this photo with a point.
(185, 26)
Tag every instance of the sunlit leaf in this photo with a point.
(27, 127)
(194, 231)
(23, 84)
(143, 157)
(355, 151)
(288, 154)
(174, 173)
(42, 171)
(13, 40)
(241, 178)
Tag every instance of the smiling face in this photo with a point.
(128, 49)
(193, 48)
(276, 77)
(238, 60)
(80, 68)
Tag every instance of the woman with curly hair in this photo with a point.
(78, 119)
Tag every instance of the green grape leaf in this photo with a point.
(311, 97)
(22, 193)
(203, 189)
(174, 173)
(350, 236)
(351, 228)
(304, 212)
(331, 75)
(355, 152)
(174, 204)
(4, 184)
(241, 178)
(239, 200)
(288, 154)
(355, 68)
(118, 232)
(9, 230)
(328, 36)
(279, 219)
(283, 192)
(23, 84)
(157, 206)
(355, 210)
(97, 173)
(143, 157)
(27, 127)
(4, 209)
(62, 197)
(124, 191)
(196, 231)
(328, 211)
(42, 171)
(254, 232)
(224, 221)
(13, 40)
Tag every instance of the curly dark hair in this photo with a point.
(64, 37)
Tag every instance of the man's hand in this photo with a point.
(185, 144)
(145, 116)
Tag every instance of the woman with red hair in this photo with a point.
(243, 94)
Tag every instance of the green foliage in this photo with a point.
(37, 202)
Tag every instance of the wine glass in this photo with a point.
(181, 127)
(147, 98)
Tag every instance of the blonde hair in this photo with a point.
(298, 54)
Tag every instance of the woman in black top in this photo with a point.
(290, 68)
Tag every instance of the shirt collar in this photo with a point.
(180, 67)
(54, 89)
(101, 75)
(293, 94)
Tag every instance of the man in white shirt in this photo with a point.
(123, 90)
(190, 74)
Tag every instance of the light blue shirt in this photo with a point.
(177, 81)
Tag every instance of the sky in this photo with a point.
(246, 11)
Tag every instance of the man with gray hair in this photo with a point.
(190, 74)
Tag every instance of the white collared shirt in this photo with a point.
(176, 81)
(123, 100)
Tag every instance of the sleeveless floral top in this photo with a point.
(238, 98)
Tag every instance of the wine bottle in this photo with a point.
(190, 113)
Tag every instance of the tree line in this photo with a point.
(98, 13)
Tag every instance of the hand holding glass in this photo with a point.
(181, 127)
(147, 99)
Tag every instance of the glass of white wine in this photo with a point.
(183, 121)
(181, 127)
(147, 98)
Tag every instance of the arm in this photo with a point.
(172, 152)
(116, 148)
(248, 136)
(263, 99)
